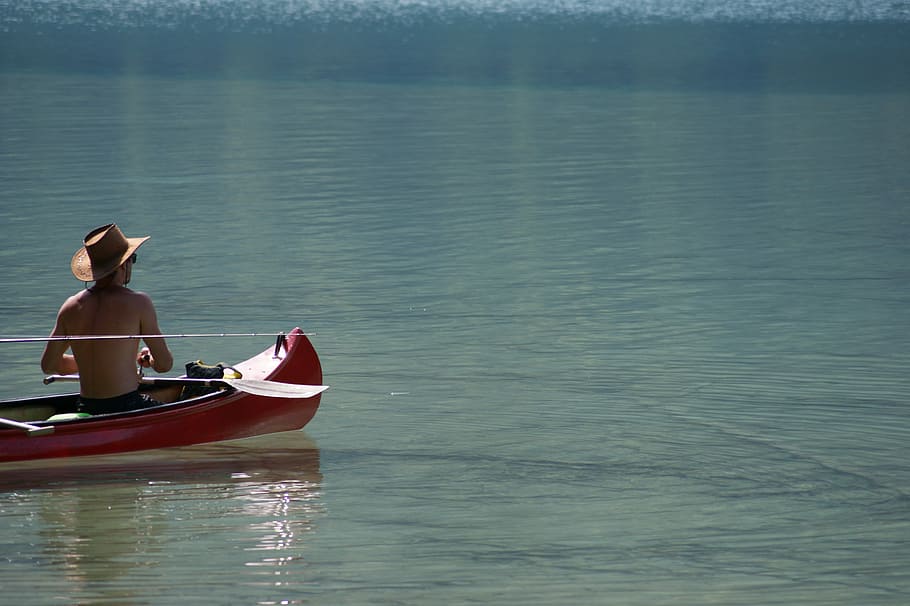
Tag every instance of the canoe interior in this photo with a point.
(39, 409)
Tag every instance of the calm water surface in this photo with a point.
(587, 344)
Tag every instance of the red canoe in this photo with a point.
(225, 415)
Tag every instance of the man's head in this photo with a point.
(105, 249)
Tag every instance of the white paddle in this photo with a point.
(31, 430)
(257, 387)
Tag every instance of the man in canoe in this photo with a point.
(108, 379)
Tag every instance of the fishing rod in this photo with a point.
(123, 337)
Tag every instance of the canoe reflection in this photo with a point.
(104, 521)
(270, 457)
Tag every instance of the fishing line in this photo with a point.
(121, 337)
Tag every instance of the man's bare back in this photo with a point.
(107, 368)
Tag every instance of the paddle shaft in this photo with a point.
(32, 430)
(259, 387)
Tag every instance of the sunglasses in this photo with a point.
(133, 258)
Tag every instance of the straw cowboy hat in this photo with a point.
(106, 249)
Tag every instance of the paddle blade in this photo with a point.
(274, 389)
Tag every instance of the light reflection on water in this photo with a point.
(112, 526)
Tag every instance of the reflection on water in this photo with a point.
(104, 527)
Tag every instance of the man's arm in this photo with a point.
(55, 360)
(161, 358)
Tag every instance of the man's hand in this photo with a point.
(144, 359)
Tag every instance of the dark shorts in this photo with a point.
(104, 406)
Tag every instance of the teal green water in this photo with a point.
(587, 344)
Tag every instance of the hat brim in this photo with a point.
(82, 264)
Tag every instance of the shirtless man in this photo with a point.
(108, 378)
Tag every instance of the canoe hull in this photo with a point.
(216, 417)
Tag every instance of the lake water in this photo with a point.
(613, 300)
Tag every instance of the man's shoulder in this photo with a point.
(76, 298)
(122, 291)
(121, 294)
(133, 293)
(138, 294)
